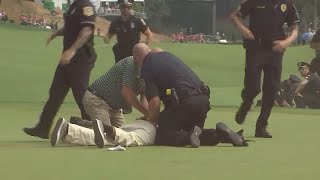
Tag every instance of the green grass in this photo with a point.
(26, 71)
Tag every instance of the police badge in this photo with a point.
(88, 11)
(283, 7)
(132, 26)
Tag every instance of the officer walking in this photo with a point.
(185, 99)
(309, 88)
(74, 68)
(128, 29)
(265, 43)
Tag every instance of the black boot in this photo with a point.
(262, 132)
(80, 122)
(242, 112)
(37, 132)
(226, 135)
(194, 136)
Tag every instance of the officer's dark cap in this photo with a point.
(125, 2)
(302, 65)
(294, 78)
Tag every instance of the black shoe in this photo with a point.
(242, 112)
(229, 136)
(80, 122)
(194, 136)
(36, 132)
(262, 133)
(99, 135)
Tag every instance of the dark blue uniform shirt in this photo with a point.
(267, 18)
(128, 32)
(81, 13)
(162, 71)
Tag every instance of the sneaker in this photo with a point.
(194, 136)
(59, 132)
(262, 133)
(35, 131)
(98, 133)
(242, 112)
(235, 138)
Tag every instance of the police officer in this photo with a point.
(128, 29)
(74, 68)
(309, 88)
(185, 99)
(315, 44)
(265, 43)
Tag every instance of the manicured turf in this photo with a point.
(26, 71)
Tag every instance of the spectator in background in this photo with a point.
(308, 90)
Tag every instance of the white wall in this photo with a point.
(58, 3)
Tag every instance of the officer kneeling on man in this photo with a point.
(185, 99)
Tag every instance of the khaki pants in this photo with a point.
(136, 133)
(97, 108)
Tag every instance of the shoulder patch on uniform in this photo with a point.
(283, 7)
(143, 22)
(88, 11)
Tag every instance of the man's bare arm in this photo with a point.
(131, 98)
(244, 31)
(54, 34)
(300, 87)
(148, 34)
(154, 110)
(83, 37)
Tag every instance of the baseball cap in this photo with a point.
(302, 65)
(125, 2)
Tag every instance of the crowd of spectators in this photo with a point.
(38, 21)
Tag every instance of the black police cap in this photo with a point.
(125, 2)
(294, 78)
(302, 65)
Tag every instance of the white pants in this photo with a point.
(136, 133)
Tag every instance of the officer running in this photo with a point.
(309, 88)
(74, 68)
(265, 43)
(185, 99)
(128, 29)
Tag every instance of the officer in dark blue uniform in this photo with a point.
(185, 99)
(128, 29)
(265, 43)
(308, 90)
(74, 68)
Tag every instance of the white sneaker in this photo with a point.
(98, 133)
(59, 131)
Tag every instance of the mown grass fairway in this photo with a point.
(26, 71)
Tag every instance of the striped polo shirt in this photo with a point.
(108, 87)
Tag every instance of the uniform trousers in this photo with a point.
(176, 121)
(74, 76)
(258, 60)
